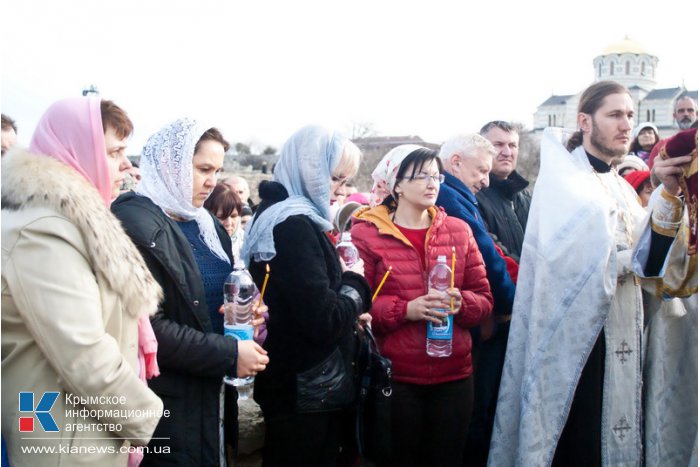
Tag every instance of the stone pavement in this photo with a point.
(251, 434)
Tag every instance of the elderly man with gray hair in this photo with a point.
(467, 161)
(685, 111)
(239, 185)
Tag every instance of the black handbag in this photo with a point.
(327, 386)
(373, 427)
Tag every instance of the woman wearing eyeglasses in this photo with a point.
(432, 396)
(307, 392)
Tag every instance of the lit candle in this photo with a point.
(376, 292)
(452, 280)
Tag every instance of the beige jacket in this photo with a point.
(73, 287)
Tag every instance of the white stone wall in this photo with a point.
(563, 115)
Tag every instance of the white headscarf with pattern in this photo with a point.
(384, 175)
(167, 177)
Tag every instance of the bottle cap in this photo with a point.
(345, 237)
(442, 259)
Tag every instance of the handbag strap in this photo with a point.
(369, 343)
(372, 340)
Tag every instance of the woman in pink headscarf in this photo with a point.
(74, 289)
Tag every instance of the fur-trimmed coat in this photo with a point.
(73, 288)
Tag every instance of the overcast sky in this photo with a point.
(260, 69)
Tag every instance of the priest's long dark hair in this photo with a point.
(591, 100)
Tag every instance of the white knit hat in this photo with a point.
(642, 126)
(634, 162)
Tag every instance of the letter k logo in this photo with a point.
(26, 404)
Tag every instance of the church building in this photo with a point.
(628, 63)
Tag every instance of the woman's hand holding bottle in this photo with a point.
(456, 302)
(424, 308)
(357, 268)
(252, 359)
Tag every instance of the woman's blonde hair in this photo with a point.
(350, 159)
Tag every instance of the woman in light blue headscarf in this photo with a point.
(314, 301)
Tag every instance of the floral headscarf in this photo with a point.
(384, 175)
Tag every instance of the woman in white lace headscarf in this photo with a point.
(314, 300)
(189, 254)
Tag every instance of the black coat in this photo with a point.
(505, 205)
(309, 314)
(192, 359)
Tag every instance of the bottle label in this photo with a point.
(441, 331)
(241, 332)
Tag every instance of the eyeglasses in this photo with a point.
(341, 181)
(425, 178)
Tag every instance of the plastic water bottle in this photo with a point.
(347, 250)
(438, 342)
(239, 294)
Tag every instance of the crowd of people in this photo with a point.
(572, 306)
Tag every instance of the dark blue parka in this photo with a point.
(458, 201)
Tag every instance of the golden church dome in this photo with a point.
(626, 46)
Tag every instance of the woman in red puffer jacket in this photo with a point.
(432, 398)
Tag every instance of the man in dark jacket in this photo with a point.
(506, 202)
(467, 162)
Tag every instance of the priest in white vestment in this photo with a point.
(571, 390)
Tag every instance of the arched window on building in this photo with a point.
(648, 115)
(627, 67)
(653, 115)
(554, 120)
(600, 69)
(612, 68)
(643, 68)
